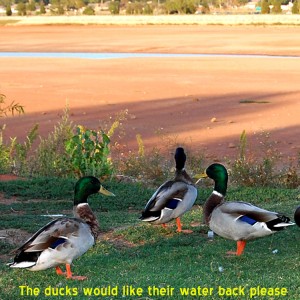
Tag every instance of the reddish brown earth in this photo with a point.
(178, 97)
(7, 177)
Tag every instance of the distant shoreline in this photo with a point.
(256, 20)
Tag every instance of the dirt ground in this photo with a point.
(201, 102)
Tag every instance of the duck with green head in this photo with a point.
(173, 198)
(64, 239)
(238, 221)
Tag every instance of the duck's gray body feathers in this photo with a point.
(171, 200)
(244, 221)
(59, 242)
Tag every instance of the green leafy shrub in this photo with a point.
(89, 152)
(66, 152)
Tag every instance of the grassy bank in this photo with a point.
(149, 262)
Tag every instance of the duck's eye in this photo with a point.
(94, 181)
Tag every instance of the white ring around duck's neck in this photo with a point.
(82, 204)
(218, 194)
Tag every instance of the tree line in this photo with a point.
(137, 7)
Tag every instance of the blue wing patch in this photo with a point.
(173, 203)
(58, 242)
(247, 220)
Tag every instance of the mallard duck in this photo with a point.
(297, 216)
(238, 221)
(173, 198)
(63, 239)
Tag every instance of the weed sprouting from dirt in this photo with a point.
(50, 157)
(260, 167)
(11, 108)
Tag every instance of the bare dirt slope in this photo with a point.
(173, 96)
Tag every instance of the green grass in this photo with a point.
(131, 253)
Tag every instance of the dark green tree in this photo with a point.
(31, 6)
(8, 10)
(148, 10)
(114, 7)
(205, 7)
(42, 8)
(180, 6)
(171, 6)
(21, 8)
(89, 11)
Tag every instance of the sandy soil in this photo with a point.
(177, 97)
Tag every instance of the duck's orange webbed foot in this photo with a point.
(179, 227)
(239, 250)
(178, 223)
(68, 273)
(59, 271)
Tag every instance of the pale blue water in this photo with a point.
(84, 55)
